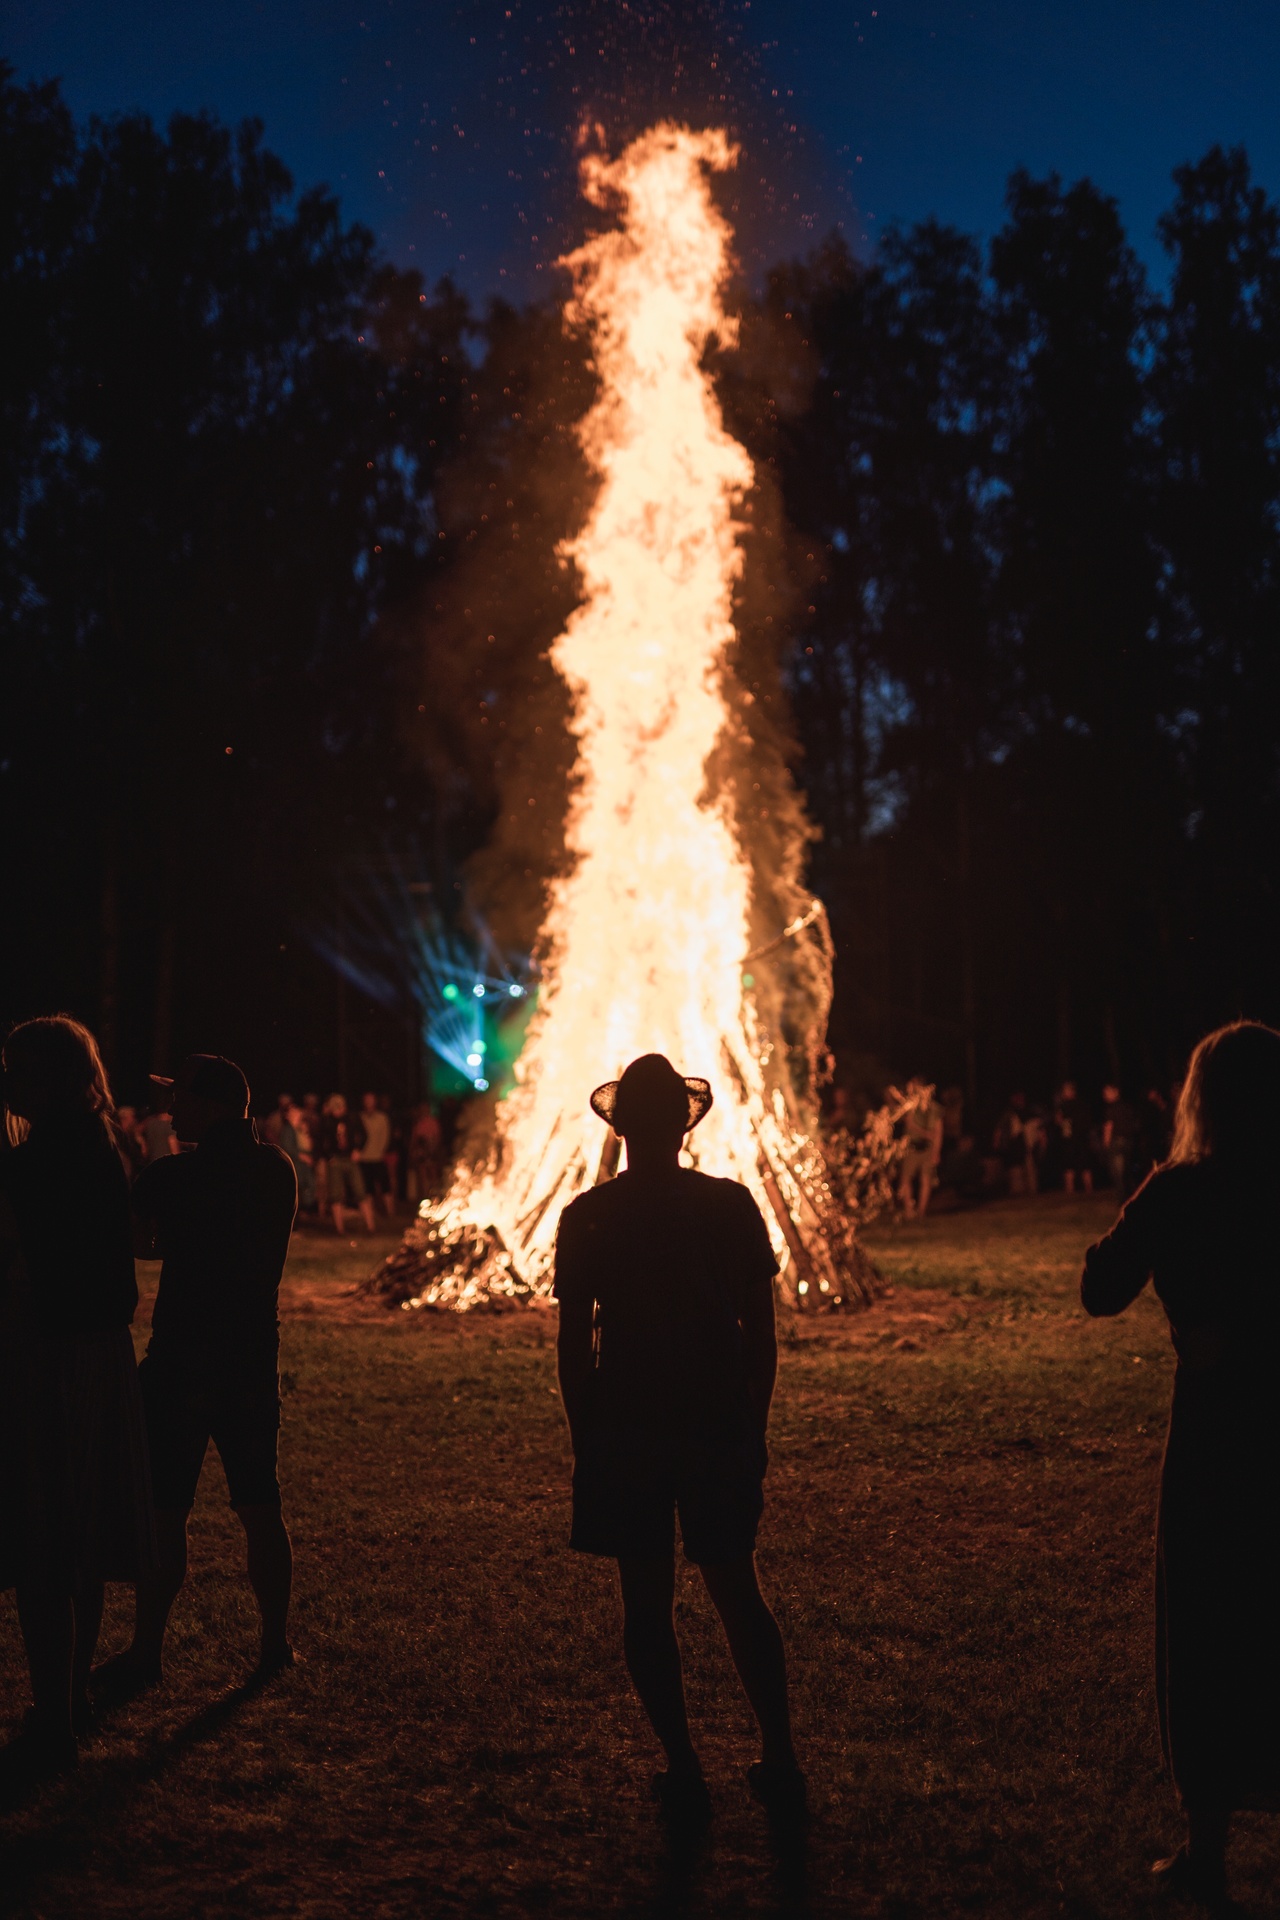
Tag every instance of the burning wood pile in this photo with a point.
(680, 925)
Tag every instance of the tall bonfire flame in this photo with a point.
(647, 943)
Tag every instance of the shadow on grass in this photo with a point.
(687, 1861)
(91, 1800)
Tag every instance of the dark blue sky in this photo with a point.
(444, 123)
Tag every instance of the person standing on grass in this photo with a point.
(667, 1358)
(372, 1152)
(219, 1219)
(341, 1137)
(924, 1128)
(1203, 1226)
(75, 1501)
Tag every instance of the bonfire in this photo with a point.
(664, 932)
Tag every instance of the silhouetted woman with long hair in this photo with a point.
(1204, 1228)
(74, 1497)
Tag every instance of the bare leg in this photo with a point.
(367, 1214)
(926, 1188)
(1068, 1180)
(48, 1633)
(756, 1646)
(1086, 1179)
(338, 1216)
(653, 1655)
(271, 1577)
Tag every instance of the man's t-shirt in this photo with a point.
(671, 1261)
(220, 1219)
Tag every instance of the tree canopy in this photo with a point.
(278, 559)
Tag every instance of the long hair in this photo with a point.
(61, 1057)
(1229, 1107)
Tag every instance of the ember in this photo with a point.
(648, 944)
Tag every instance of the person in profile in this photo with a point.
(667, 1358)
(219, 1219)
(75, 1501)
(1203, 1226)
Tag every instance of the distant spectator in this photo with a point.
(952, 1103)
(157, 1136)
(128, 1144)
(1010, 1143)
(1071, 1123)
(965, 1173)
(422, 1178)
(313, 1124)
(341, 1136)
(271, 1125)
(295, 1140)
(1035, 1132)
(395, 1148)
(1119, 1138)
(924, 1150)
(371, 1154)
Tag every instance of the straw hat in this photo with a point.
(651, 1084)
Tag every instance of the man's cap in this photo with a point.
(212, 1077)
(652, 1085)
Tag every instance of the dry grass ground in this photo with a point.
(956, 1542)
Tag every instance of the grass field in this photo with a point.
(957, 1543)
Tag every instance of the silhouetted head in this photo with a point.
(53, 1069)
(1111, 1093)
(206, 1089)
(336, 1105)
(652, 1106)
(369, 1101)
(1068, 1090)
(1229, 1107)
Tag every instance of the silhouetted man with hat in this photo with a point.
(219, 1218)
(667, 1360)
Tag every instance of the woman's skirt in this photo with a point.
(75, 1491)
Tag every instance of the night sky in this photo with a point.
(448, 128)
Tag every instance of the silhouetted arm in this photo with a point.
(576, 1361)
(1117, 1268)
(575, 1353)
(760, 1350)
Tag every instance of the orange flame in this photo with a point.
(646, 937)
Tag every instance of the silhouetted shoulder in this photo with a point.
(276, 1166)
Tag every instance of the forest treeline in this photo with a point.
(279, 572)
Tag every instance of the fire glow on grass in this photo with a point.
(647, 938)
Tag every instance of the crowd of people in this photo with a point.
(347, 1159)
(667, 1356)
(1063, 1145)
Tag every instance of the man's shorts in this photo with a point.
(241, 1417)
(376, 1175)
(628, 1489)
(346, 1186)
